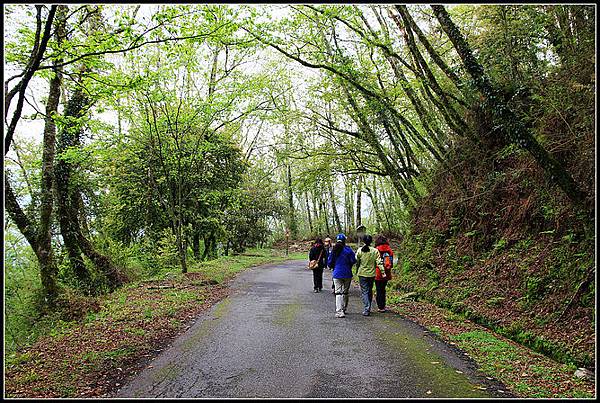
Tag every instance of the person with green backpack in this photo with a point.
(366, 264)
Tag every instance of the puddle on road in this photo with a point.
(438, 378)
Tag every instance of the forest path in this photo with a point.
(274, 337)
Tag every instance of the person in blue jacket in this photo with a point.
(341, 259)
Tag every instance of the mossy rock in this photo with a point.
(410, 296)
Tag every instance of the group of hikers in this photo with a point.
(373, 266)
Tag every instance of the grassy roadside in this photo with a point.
(93, 356)
(524, 372)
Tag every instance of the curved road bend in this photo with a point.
(274, 337)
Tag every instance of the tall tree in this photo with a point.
(40, 237)
(69, 197)
(293, 225)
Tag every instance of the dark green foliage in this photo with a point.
(246, 222)
(142, 184)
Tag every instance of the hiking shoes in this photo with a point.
(340, 315)
(366, 313)
(381, 310)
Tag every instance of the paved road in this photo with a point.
(274, 337)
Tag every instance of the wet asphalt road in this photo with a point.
(274, 337)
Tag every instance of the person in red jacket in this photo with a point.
(383, 272)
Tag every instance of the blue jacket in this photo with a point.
(342, 266)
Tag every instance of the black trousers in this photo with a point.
(318, 278)
(380, 297)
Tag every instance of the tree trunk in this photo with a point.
(211, 246)
(115, 277)
(310, 224)
(426, 75)
(387, 201)
(292, 215)
(403, 10)
(68, 198)
(359, 202)
(206, 251)
(40, 239)
(48, 268)
(213, 73)
(349, 202)
(371, 138)
(179, 238)
(66, 192)
(336, 217)
(323, 208)
(318, 214)
(196, 244)
(515, 75)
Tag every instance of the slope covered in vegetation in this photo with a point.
(496, 242)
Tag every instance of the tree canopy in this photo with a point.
(209, 128)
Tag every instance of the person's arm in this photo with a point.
(353, 258)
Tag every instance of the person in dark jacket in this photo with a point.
(318, 252)
(383, 272)
(341, 259)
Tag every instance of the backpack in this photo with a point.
(387, 260)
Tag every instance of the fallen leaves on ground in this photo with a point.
(93, 359)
